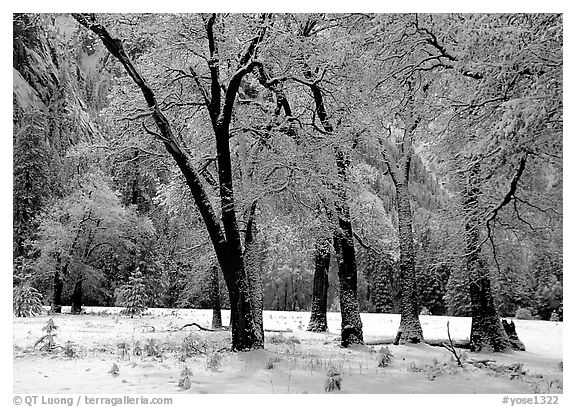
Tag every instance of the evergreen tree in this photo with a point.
(30, 176)
(27, 301)
(456, 297)
(132, 296)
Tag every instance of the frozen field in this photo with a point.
(294, 362)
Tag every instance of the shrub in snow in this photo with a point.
(123, 350)
(523, 313)
(27, 301)
(184, 383)
(413, 368)
(384, 357)
(278, 339)
(193, 345)
(271, 362)
(132, 296)
(440, 368)
(114, 370)
(137, 350)
(213, 361)
(69, 350)
(334, 380)
(153, 348)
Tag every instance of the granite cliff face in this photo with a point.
(35, 65)
(55, 71)
(55, 108)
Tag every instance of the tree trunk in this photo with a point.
(58, 286)
(77, 298)
(215, 297)
(244, 335)
(318, 322)
(487, 333)
(277, 296)
(58, 283)
(410, 330)
(347, 276)
(254, 259)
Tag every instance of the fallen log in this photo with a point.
(225, 328)
(379, 341)
(462, 344)
(283, 331)
(202, 328)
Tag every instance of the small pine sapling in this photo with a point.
(132, 296)
(48, 343)
(271, 362)
(153, 348)
(137, 349)
(184, 383)
(27, 301)
(384, 357)
(124, 350)
(114, 370)
(213, 361)
(333, 381)
(69, 350)
(192, 346)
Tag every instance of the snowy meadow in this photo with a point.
(152, 354)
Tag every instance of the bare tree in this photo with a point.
(225, 236)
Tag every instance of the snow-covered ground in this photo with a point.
(283, 367)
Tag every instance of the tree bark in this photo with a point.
(351, 325)
(244, 334)
(254, 259)
(215, 297)
(410, 330)
(58, 286)
(318, 322)
(487, 333)
(77, 298)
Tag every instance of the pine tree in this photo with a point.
(47, 341)
(133, 295)
(30, 178)
(27, 301)
(456, 297)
